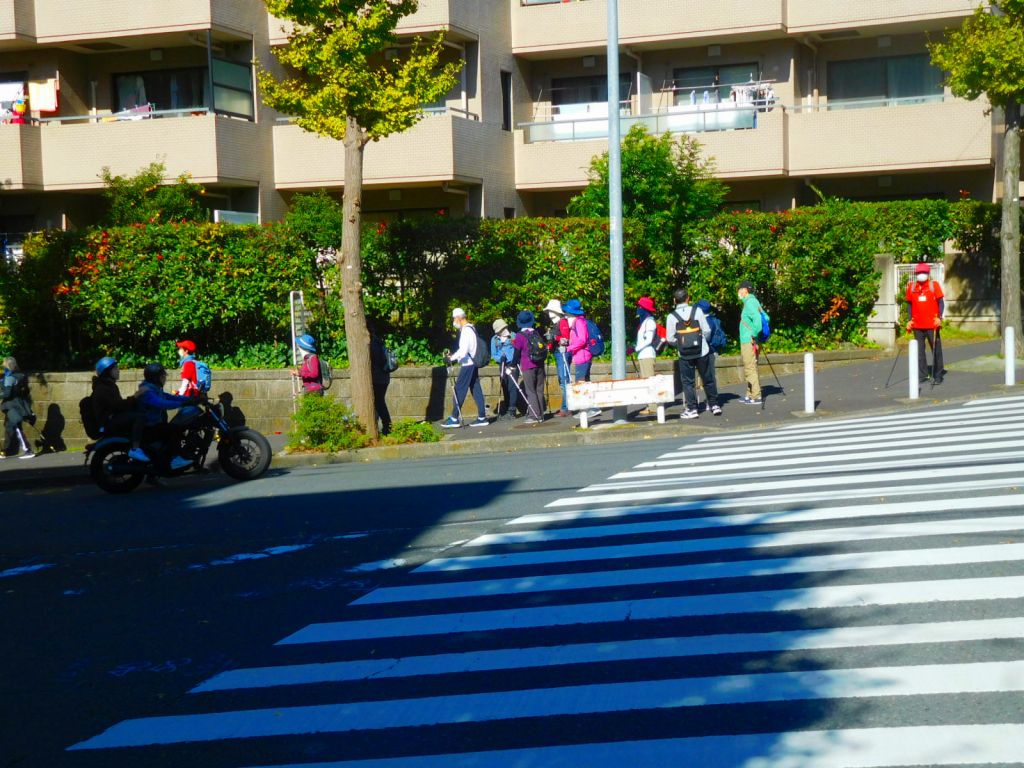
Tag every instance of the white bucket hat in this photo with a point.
(554, 306)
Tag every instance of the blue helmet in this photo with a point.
(306, 342)
(104, 364)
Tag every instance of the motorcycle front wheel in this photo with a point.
(244, 455)
(103, 467)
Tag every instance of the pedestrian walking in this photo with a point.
(466, 357)
(189, 386)
(503, 352)
(380, 377)
(687, 328)
(579, 345)
(532, 349)
(558, 343)
(647, 342)
(750, 327)
(309, 371)
(927, 306)
(16, 404)
(716, 341)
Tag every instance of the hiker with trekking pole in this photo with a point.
(504, 353)
(927, 305)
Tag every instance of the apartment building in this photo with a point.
(787, 96)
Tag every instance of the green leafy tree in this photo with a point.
(666, 184)
(340, 84)
(146, 198)
(985, 56)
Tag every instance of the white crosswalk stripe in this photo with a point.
(837, 593)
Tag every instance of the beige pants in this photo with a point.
(750, 371)
(646, 365)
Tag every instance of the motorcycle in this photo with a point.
(243, 453)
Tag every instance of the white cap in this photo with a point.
(458, 312)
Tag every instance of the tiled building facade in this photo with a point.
(785, 95)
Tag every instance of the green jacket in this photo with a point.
(750, 319)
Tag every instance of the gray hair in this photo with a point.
(10, 364)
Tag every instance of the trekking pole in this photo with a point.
(772, 368)
(501, 391)
(450, 368)
(522, 394)
(636, 367)
(936, 353)
(895, 362)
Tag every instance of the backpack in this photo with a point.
(204, 376)
(390, 360)
(718, 339)
(482, 355)
(90, 423)
(766, 329)
(326, 374)
(596, 341)
(536, 346)
(688, 336)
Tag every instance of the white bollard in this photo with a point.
(915, 390)
(808, 382)
(1009, 357)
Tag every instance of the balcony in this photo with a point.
(890, 136)
(440, 148)
(583, 25)
(212, 149)
(64, 21)
(20, 158)
(824, 15)
(17, 20)
(547, 160)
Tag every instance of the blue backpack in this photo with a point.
(718, 340)
(766, 329)
(596, 340)
(204, 376)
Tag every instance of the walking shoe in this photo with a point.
(27, 455)
(716, 410)
(531, 420)
(593, 413)
(137, 454)
(748, 400)
(451, 423)
(563, 414)
(481, 421)
(180, 462)
(689, 413)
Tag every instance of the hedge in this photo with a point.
(134, 290)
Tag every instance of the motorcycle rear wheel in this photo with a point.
(244, 455)
(100, 469)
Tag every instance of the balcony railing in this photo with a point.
(834, 105)
(136, 113)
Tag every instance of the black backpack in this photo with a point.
(90, 423)
(483, 354)
(689, 338)
(536, 346)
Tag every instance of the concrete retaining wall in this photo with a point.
(265, 397)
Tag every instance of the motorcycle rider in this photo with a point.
(153, 403)
(113, 412)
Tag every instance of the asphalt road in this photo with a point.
(827, 594)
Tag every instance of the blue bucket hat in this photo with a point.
(572, 307)
(525, 319)
(306, 342)
(703, 305)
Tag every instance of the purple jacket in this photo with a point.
(579, 341)
(519, 342)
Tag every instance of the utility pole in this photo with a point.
(617, 303)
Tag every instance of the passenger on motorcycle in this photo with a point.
(153, 403)
(115, 414)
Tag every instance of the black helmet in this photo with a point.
(152, 372)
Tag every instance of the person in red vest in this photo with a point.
(926, 309)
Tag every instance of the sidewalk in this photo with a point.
(855, 389)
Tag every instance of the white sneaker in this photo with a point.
(179, 462)
(593, 413)
(689, 413)
(137, 454)
(27, 455)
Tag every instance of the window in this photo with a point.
(232, 88)
(691, 83)
(506, 101)
(587, 90)
(164, 89)
(910, 78)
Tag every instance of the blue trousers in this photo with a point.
(469, 380)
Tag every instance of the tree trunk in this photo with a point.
(1009, 238)
(350, 264)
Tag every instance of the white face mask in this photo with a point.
(922, 278)
(504, 334)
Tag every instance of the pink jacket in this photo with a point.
(579, 341)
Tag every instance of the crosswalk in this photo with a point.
(831, 594)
